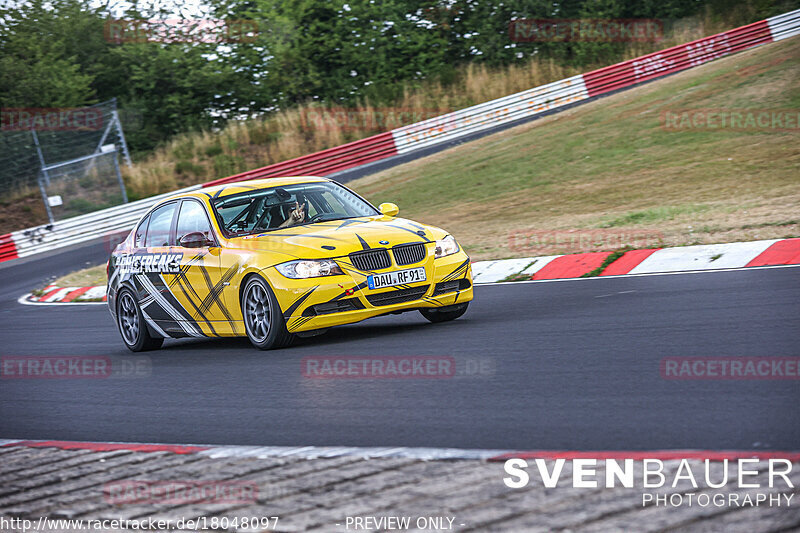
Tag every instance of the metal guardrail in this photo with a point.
(76, 230)
(437, 130)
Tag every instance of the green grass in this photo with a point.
(88, 277)
(606, 262)
(655, 214)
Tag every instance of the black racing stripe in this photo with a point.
(216, 194)
(364, 244)
(457, 272)
(185, 290)
(181, 274)
(182, 281)
(214, 295)
(431, 300)
(184, 268)
(410, 223)
(292, 308)
(349, 222)
(219, 301)
(162, 288)
(301, 321)
(161, 316)
(410, 231)
(187, 287)
(157, 313)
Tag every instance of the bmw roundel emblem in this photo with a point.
(383, 242)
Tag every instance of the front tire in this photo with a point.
(132, 326)
(443, 314)
(263, 319)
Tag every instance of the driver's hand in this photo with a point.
(297, 215)
(299, 212)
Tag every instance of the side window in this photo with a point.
(335, 204)
(138, 239)
(192, 218)
(160, 224)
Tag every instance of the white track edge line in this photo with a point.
(24, 301)
(709, 271)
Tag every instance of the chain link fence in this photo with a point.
(83, 185)
(69, 155)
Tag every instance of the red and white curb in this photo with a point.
(425, 454)
(652, 261)
(52, 294)
(707, 257)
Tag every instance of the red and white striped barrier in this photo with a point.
(437, 130)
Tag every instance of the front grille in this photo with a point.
(370, 259)
(451, 286)
(397, 297)
(408, 254)
(337, 306)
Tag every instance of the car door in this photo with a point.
(153, 261)
(199, 284)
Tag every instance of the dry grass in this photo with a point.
(89, 277)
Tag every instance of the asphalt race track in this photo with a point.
(560, 365)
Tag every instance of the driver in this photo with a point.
(296, 216)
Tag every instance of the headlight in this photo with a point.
(446, 246)
(302, 269)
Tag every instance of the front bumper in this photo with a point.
(318, 303)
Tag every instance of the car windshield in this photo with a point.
(274, 208)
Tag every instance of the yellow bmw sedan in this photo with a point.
(278, 258)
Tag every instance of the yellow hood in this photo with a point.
(338, 238)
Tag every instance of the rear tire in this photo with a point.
(443, 314)
(263, 319)
(132, 326)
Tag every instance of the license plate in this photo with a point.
(398, 277)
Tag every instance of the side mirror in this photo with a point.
(195, 239)
(389, 209)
